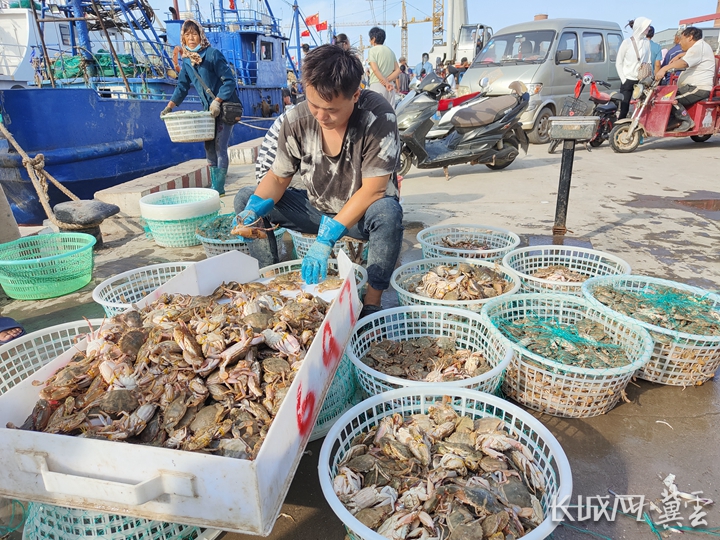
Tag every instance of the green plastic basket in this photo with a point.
(226, 241)
(180, 233)
(46, 266)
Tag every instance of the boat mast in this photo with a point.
(83, 37)
(111, 46)
(41, 35)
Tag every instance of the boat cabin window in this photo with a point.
(283, 50)
(65, 34)
(266, 48)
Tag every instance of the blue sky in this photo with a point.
(664, 14)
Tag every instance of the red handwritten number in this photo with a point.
(305, 411)
(345, 296)
(330, 347)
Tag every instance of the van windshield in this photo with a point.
(517, 48)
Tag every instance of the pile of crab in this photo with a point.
(441, 476)
(463, 282)
(197, 373)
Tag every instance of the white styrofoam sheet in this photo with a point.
(173, 485)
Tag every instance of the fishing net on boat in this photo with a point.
(70, 67)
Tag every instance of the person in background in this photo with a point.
(672, 53)
(628, 61)
(403, 80)
(464, 65)
(343, 41)
(268, 147)
(424, 65)
(344, 143)
(294, 93)
(403, 62)
(696, 81)
(384, 67)
(655, 50)
(202, 60)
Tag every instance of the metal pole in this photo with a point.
(563, 196)
(112, 48)
(42, 43)
(296, 22)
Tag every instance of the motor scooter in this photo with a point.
(485, 132)
(605, 107)
(653, 106)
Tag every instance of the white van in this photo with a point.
(536, 53)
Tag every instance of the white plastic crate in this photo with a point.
(283, 268)
(190, 126)
(549, 455)
(163, 484)
(499, 241)
(590, 262)
(118, 293)
(355, 249)
(404, 323)
(409, 274)
(555, 388)
(679, 358)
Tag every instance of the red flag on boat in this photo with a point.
(312, 20)
(232, 4)
(321, 26)
(305, 33)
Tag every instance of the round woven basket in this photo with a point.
(589, 262)
(679, 358)
(555, 388)
(353, 248)
(228, 242)
(118, 293)
(546, 450)
(407, 275)
(190, 126)
(499, 241)
(46, 265)
(404, 323)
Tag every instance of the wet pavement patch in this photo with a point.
(703, 203)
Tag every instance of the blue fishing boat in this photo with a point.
(95, 114)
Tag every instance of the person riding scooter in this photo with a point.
(696, 81)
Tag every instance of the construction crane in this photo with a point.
(404, 29)
(438, 15)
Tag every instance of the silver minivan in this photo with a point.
(536, 53)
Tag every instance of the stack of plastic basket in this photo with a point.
(406, 277)
(119, 293)
(587, 262)
(190, 126)
(342, 393)
(355, 249)
(47, 265)
(172, 216)
(550, 386)
(436, 241)
(401, 324)
(21, 358)
(225, 241)
(679, 358)
(547, 453)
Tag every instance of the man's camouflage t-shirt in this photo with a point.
(371, 148)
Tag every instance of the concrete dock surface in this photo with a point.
(657, 208)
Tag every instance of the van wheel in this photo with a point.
(405, 162)
(540, 133)
(700, 138)
(618, 142)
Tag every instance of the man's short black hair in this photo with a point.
(426, 55)
(341, 38)
(693, 32)
(332, 71)
(650, 32)
(402, 68)
(463, 59)
(378, 34)
(305, 47)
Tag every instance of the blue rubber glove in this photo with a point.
(255, 208)
(314, 265)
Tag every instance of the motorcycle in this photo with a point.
(654, 103)
(486, 132)
(432, 93)
(605, 107)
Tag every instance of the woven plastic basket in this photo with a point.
(190, 126)
(47, 265)
(118, 293)
(294, 266)
(408, 275)
(555, 388)
(547, 452)
(172, 216)
(215, 246)
(499, 241)
(404, 323)
(355, 249)
(589, 262)
(679, 358)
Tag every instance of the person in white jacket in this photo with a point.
(633, 52)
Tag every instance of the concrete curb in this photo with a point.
(245, 153)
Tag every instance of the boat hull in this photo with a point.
(91, 142)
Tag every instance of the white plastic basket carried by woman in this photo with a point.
(486, 242)
(401, 324)
(547, 452)
(588, 263)
(680, 358)
(406, 277)
(555, 387)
